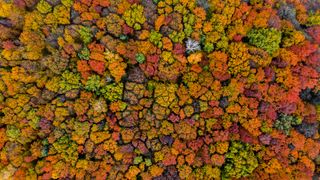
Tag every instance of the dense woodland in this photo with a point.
(159, 89)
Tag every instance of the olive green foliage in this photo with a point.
(177, 36)
(189, 21)
(112, 92)
(314, 19)
(67, 148)
(134, 16)
(93, 84)
(285, 123)
(138, 160)
(44, 7)
(240, 161)
(140, 58)
(69, 81)
(84, 53)
(13, 132)
(85, 34)
(155, 38)
(208, 47)
(148, 162)
(266, 39)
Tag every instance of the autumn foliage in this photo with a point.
(159, 89)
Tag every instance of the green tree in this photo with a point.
(240, 161)
(266, 39)
(285, 123)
